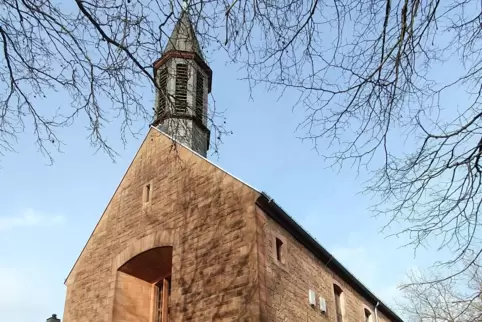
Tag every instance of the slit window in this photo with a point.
(162, 92)
(338, 302)
(199, 95)
(147, 193)
(181, 88)
(280, 250)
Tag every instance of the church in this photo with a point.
(183, 240)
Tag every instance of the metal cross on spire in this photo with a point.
(185, 4)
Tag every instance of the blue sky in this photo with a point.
(48, 212)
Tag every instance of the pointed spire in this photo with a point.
(183, 37)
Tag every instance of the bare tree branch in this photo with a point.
(457, 299)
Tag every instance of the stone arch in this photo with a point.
(154, 240)
(128, 279)
(151, 265)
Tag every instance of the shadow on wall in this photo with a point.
(222, 282)
(212, 270)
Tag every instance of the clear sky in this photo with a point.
(48, 212)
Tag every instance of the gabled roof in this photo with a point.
(272, 209)
(275, 212)
(183, 37)
(151, 128)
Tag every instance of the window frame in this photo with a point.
(274, 251)
(181, 88)
(368, 318)
(338, 300)
(147, 190)
(280, 247)
(162, 96)
(161, 299)
(199, 110)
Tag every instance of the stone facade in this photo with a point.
(225, 265)
(285, 285)
(206, 215)
(180, 228)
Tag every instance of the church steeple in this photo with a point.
(183, 37)
(183, 84)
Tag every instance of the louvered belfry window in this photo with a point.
(181, 88)
(162, 92)
(199, 95)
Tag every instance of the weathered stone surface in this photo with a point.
(224, 262)
(284, 287)
(204, 213)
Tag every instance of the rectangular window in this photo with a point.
(181, 88)
(147, 193)
(199, 95)
(162, 299)
(279, 250)
(338, 303)
(162, 92)
(368, 315)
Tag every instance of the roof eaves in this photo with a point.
(268, 205)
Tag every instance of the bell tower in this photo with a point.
(183, 84)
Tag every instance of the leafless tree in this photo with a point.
(369, 76)
(97, 53)
(374, 83)
(458, 299)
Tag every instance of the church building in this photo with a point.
(183, 240)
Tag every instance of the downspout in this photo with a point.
(376, 311)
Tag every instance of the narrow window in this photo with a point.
(338, 303)
(279, 250)
(162, 299)
(199, 95)
(147, 192)
(181, 88)
(368, 315)
(162, 92)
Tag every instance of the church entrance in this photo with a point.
(163, 293)
(143, 287)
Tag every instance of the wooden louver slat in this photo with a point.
(162, 92)
(181, 88)
(199, 95)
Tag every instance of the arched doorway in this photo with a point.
(143, 286)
